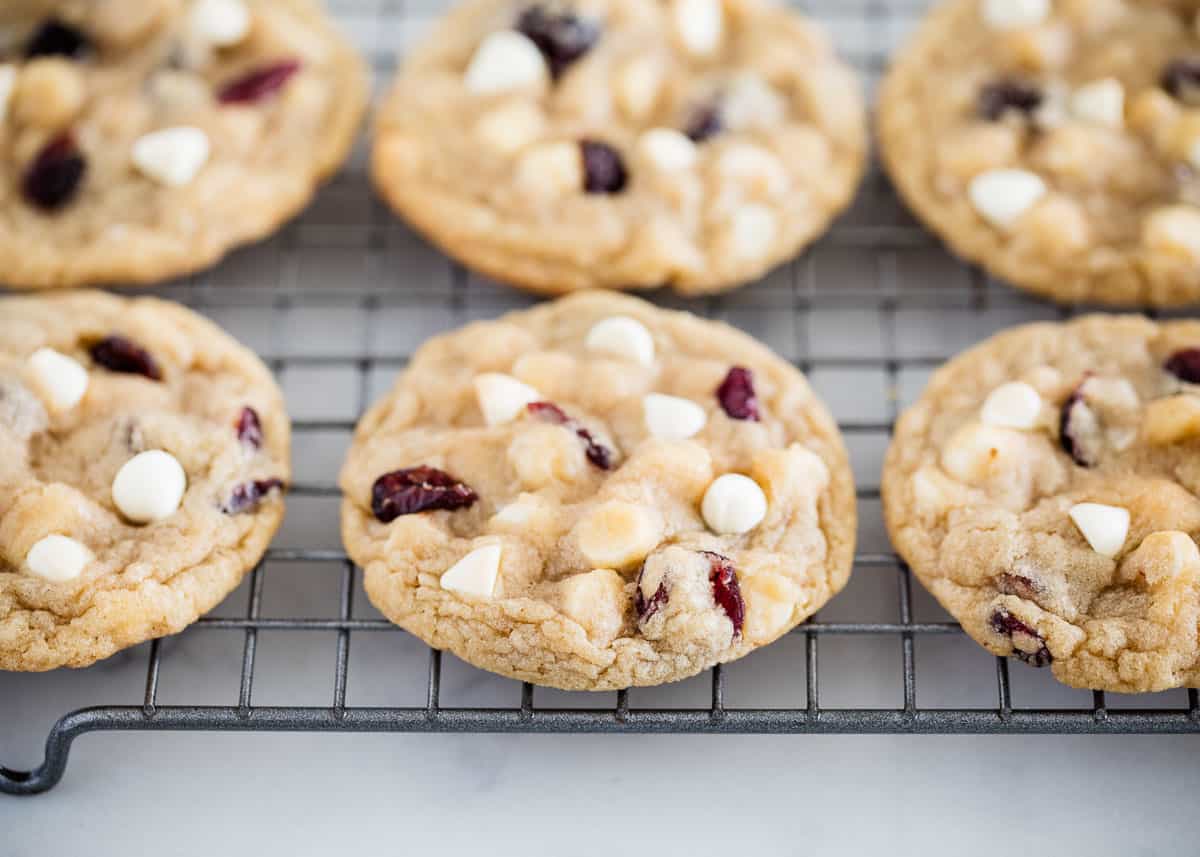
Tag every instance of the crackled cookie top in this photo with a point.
(596, 493)
(621, 143)
(143, 455)
(1044, 489)
(1057, 142)
(145, 138)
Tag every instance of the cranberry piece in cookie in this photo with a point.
(726, 591)
(1185, 365)
(1079, 430)
(1005, 96)
(249, 428)
(54, 38)
(1008, 625)
(248, 495)
(596, 452)
(647, 607)
(1181, 79)
(736, 395)
(118, 354)
(560, 35)
(258, 84)
(704, 122)
(53, 179)
(418, 489)
(603, 168)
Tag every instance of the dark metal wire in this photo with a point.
(796, 290)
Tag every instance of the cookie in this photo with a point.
(145, 139)
(596, 493)
(1056, 143)
(143, 457)
(1044, 488)
(621, 143)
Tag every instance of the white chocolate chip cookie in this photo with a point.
(1056, 143)
(621, 143)
(143, 456)
(601, 535)
(145, 139)
(1044, 488)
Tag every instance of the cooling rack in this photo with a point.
(337, 302)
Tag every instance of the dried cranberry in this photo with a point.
(1185, 365)
(703, 123)
(53, 178)
(561, 36)
(248, 495)
(603, 169)
(648, 607)
(418, 489)
(998, 98)
(1181, 78)
(596, 452)
(1079, 430)
(259, 83)
(726, 591)
(55, 38)
(249, 428)
(736, 395)
(118, 354)
(1007, 624)
(1018, 585)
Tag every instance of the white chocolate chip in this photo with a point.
(733, 504)
(700, 24)
(977, 452)
(1174, 230)
(220, 23)
(172, 156)
(639, 83)
(551, 169)
(1002, 196)
(668, 149)
(57, 558)
(505, 60)
(1104, 527)
(476, 573)
(622, 336)
(60, 379)
(619, 535)
(1013, 405)
(511, 127)
(8, 82)
(519, 512)
(1014, 14)
(754, 165)
(502, 398)
(595, 600)
(1101, 102)
(751, 102)
(149, 487)
(671, 417)
(752, 231)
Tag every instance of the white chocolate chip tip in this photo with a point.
(502, 398)
(172, 156)
(1014, 14)
(733, 504)
(149, 487)
(505, 60)
(61, 379)
(57, 559)
(700, 25)
(1104, 527)
(668, 149)
(475, 574)
(1101, 102)
(1002, 196)
(672, 417)
(624, 337)
(1014, 405)
(220, 23)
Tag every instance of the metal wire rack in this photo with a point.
(867, 313)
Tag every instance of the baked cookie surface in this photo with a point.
(621, 143)
(596, 493)
(1056, 143)
(1044, 487)
(144, 139)
(143, 455)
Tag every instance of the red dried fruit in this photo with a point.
(703, 123)
(603, 169)
(1005, 623)
(249, 428)
(1185, 365)
(648, 607)
(118, 354)
(54, 176)
(57, 39)
(1018, 585)
(561, 36)
(248, 495)
(999, 97)
(1181, 78)
(1079, 429)
(736, 395)
(597, 453)
(259, 83)
(418, 489)
(726, 590)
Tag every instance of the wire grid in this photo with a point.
(801, 296)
